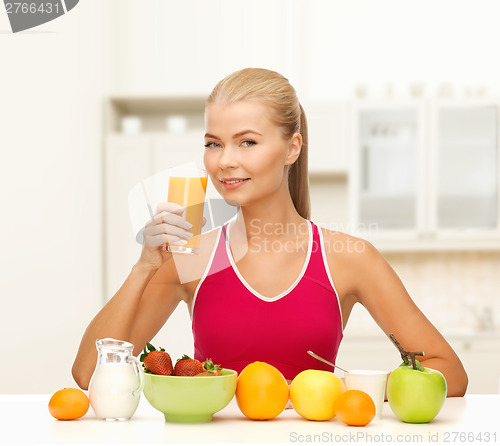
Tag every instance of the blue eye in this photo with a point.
(248, 143)
(212, 145)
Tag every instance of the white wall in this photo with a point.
(51, 84)
(326, 47)
(52, 81)
(401, 42)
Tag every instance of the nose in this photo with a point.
(227, 159)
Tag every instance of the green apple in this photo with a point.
(415, 393)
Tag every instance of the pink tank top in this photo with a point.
(235, 325)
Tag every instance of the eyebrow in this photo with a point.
(236, 135)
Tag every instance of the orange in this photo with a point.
(261, 391)
(68, 404)
(355, 408)
(313, 394)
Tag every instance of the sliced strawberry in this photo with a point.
(211, 368)
(186, 366)
(208, 374)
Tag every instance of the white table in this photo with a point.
(25, 419)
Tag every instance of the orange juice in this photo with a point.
(189, 192)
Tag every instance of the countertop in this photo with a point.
(25, 419)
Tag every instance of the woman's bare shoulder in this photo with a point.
(347, 246)
(350, 258)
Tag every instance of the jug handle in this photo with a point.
(138, 366)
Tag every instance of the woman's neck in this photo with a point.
(270, 220)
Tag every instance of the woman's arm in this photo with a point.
(155, 269)
(378, 288)
(117, 319)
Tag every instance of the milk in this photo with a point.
(112, 391)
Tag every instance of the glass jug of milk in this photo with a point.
(117, 382)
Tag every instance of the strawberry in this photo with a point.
(211, 369)
(186, 366)
(157, 362)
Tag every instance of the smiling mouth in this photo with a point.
(233, 181)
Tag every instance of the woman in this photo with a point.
(271, 284)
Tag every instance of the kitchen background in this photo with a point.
(403, 103)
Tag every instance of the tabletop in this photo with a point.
(25, 419)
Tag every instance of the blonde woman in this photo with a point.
(269, 284)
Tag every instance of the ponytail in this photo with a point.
(298, 176)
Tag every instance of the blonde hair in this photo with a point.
(273, 89)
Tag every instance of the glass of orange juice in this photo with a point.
(187, 187)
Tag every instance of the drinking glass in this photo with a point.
(187, 187)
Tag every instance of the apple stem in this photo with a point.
(408, 357)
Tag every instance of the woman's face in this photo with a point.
(245, 152)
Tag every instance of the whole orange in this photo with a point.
(355, 408)
(261, 391)
(68, 404)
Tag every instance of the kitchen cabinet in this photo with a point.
(172, 150)
(464, 167)
(425, 174)
(388, 163)
(478, 351)
(480, 355)
(327, 124)
(128, 160)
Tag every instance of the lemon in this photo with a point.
(313, 394)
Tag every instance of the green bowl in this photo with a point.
(190, 399)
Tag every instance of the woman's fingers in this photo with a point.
(174, 208)
(169, 218)
(162, 239)
(164, 228)
(167, 226)
(158, 234)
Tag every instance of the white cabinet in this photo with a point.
(388, 164)
(153, 144)
(172, 150)
(362, 352)
(480, 356)
(464, 167)
(479, 353)
(128, 160)
(327, 124)
(427, 173)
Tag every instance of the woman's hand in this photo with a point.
(166, 226)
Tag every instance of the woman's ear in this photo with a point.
(294, 147)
